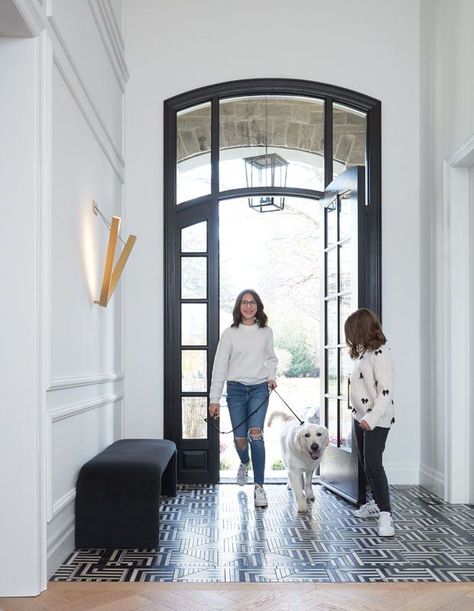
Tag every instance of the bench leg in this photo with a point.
(168, 479)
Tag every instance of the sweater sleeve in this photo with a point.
(220, 368)
(383, 373)
(272, 360)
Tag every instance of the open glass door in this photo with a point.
(343, 213)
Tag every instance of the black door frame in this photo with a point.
(372, 255)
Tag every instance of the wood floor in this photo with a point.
(279, 596)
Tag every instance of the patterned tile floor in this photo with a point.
(215, 534)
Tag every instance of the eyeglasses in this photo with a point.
(248, 303)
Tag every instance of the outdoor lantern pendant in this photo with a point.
(268, 170)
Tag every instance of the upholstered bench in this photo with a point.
(118, 493)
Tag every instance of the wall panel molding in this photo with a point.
(73, 409)
(43, 225)
(115, 51)
(113, 21)
(63, 502)
(68, 70)
(75, 381)
(62, 413)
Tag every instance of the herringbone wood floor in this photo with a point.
(279, 596)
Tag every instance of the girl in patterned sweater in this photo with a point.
(371, 397)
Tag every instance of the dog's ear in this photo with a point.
(298, 440)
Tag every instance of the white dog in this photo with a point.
(302, 446)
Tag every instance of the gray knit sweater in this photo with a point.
(372, 388)
(245, 354)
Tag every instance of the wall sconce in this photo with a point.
(111, 273)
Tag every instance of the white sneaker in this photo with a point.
(386, 528)
(243, 474)
(369, 510)
(260, 498)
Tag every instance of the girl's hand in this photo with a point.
(272, 384)
(214, 409)
(364, 425)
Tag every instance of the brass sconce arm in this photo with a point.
(111, 273)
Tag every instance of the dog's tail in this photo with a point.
(279, 414)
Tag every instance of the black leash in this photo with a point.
(297, 417)
(210, 420)
(245, 420)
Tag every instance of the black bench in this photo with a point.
(118, 493)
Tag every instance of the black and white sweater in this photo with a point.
(372, 388)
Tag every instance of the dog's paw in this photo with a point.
(288, 486)
(310, 496)
(302, 507)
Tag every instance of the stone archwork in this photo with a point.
(293, 124)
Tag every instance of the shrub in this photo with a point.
(303, 360)
(224, 464)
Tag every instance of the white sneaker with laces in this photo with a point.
(386, 528)
(260, 498)
(369, 510)
(243, 474)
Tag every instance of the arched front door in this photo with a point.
(265, 140)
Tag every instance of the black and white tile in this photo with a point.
(215, 534)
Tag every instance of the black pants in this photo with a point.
(370, 447)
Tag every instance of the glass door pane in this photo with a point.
(193, 146)
(341, 210)
(288, 127)
(340, 300)
(349, 138)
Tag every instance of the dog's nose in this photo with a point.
(314, 447)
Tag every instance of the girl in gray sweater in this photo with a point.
(245, 358)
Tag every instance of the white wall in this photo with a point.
(447, 103)
(62, 112)
(84, 355)
(370, 46)
(20, 433)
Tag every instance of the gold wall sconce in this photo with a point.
(111, 273)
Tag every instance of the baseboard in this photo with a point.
(402, 473)
(60, 546)
(432, 480)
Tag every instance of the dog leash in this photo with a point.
(209, 420)
(297, 417)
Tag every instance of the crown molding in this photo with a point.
(32, 14)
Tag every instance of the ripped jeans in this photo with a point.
(242, 400)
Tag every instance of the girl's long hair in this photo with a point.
(363, 332)
(260, 316)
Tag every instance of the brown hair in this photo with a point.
(260, 316)
(363, 332)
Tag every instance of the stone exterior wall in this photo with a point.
(282, 122)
